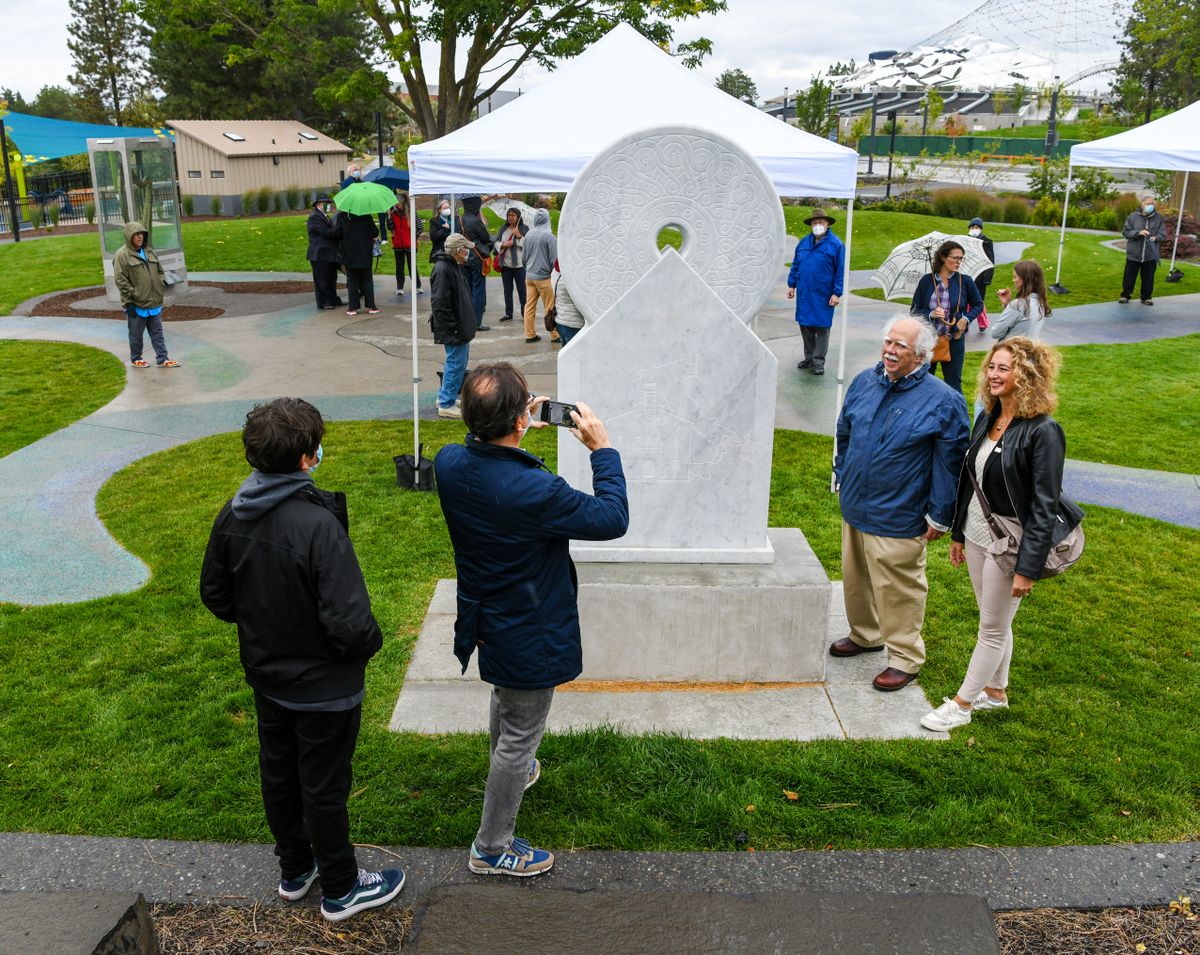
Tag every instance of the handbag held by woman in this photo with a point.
(1006, 540)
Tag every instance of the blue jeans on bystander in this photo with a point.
(452, 376)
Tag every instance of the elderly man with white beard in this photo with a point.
(901, 438)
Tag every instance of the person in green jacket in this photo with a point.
(139, 278)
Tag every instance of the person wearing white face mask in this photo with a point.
(439, 228)
(984, 279)
(1144, 230)
(815, 282)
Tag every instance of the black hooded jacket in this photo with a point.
(451, 312)
(286, 573)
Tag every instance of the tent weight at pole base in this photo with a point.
(1059, 289)
(1175, 275)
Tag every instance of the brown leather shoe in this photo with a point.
(893, 679)
(846, 647)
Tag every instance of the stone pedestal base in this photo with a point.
(708, 623)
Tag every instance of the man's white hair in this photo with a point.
(926, 336)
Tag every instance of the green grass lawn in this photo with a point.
(1114, 415)
(1091, 271)
(129, 715)
(277, 244)
(45, 386)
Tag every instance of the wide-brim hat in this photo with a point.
(820, 214)
(321, 198)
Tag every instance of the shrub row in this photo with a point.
(966, 203)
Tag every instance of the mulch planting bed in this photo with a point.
(300, 930)
(63, 304)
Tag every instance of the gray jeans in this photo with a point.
(518, 720)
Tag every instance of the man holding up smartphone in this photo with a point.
(510, 521)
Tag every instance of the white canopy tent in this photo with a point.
(1172, 142)
(540, 141)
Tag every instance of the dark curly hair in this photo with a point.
(279, 433)
(494, 396)
(944, 250)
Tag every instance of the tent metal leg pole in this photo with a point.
(845, 325)
(1179, 224)
(416, 377)
(1057, 287)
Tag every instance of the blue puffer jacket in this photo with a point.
(510, 521)
(900, 446)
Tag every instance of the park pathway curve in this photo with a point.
(58, 551)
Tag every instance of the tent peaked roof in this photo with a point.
(1172, 142)
(623, 83)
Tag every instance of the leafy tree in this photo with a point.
(56, 102)
(482, 44)
(738, 85)
(813, 112)
(308, 60)
(106, 40)
(1160, 59)
(1000, 100)
(1020, 93)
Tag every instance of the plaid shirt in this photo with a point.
(941, 299)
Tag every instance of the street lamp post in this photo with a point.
(871, 154)
(785, 99)
(891, 152)
(1052, 123)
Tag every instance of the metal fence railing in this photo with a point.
(45, 210)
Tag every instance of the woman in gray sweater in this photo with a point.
(1025, 304)
(1143, 231)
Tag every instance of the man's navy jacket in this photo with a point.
(510, 521)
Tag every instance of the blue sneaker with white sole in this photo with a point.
(370, 891)
(519, 859)
(295, 889)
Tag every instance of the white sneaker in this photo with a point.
(946, 717)
(451, 412)
(985, 702)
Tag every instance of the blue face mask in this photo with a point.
(1148, 208)
(320, 454)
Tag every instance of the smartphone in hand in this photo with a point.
(557, 413)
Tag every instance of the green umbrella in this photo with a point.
(364, 199)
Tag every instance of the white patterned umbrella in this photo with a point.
(907, 262)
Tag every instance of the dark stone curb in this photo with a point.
(1008, 878)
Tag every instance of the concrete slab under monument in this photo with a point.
(437, 698)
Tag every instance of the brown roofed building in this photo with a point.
(227, 158)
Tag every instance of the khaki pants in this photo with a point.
(535, 289)
(883, 579)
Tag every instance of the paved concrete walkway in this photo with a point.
(1008, 877)
(356, 368)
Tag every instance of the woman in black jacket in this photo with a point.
(358, 255)
(951, 301)
(1016, 454)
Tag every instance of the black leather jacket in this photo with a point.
(1032, 453)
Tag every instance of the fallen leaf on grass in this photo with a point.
(750, 808)
(971, 741)
(791, 796)
(1124, 812)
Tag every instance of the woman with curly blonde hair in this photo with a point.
(1016, 456)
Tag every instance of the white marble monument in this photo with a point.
(686, 389)
(698, 590)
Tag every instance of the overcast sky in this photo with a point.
(777, 44)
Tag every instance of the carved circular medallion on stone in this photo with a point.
(692, 180)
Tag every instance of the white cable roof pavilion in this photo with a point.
(620, 84)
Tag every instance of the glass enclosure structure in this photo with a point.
(134, 181)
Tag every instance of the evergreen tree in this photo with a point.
(1160, 58)
(738, 85)
(106, 43)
